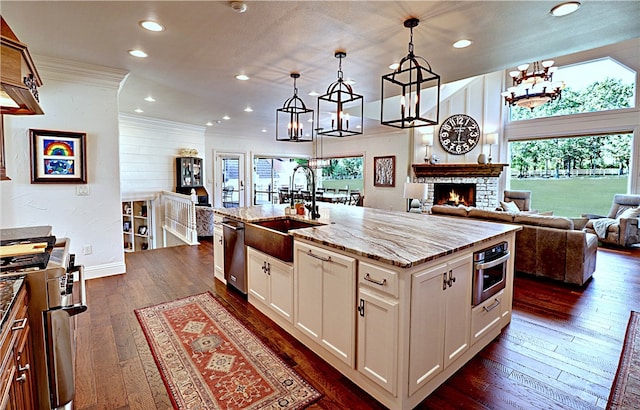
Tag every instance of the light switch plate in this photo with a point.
(82, 190)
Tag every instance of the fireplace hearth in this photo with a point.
(454, 194)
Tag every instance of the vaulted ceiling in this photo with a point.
(192, 64)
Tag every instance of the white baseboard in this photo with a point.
(108, 269)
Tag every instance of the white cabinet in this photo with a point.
(440, 319)
(218, 249)
(325, 296)
(378, 338)
(270, 282)
(378, 324)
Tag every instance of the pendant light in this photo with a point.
(294, 121)
(340, 109)
(411, 93)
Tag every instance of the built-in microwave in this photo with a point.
(489, 272)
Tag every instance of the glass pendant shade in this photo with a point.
(411, 93)
(340, 110)
(294, 121)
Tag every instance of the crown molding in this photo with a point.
(79, 73)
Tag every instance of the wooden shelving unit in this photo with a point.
(137, 225)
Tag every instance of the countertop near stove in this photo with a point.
(9, 289)
(398, 238)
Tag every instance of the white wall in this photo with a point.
(81, 98)
(148, 152)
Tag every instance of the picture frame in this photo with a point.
(384, 171)
(142, 230)
(126, 226)
(58, 157)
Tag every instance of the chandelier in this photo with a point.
(533, 88)
(335, 106)
(416, 85)
(317, 161)
(291, 118)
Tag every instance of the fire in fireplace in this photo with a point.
(454, 194)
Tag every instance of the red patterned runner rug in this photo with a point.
(625, 392)
(209, 360)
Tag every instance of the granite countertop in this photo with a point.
(398, 238)
(9, 288)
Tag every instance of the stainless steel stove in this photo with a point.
(53, 303)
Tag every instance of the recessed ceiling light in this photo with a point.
(239, 6)
(151, 25)
(138, 110)
(242, 77)
(563, 9)
(209, 124)
(264, 130)
(138, 53)
(314, 93)
(150, 99)
(248, 109)
(462, 43)
(394, 66)
(226, 117)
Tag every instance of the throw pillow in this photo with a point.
(510, 207)
(630, 213)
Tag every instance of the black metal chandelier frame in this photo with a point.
(419, 76)
(294, 113)
(337, 104)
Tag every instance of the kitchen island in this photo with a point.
(384, 297)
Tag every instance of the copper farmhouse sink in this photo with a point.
(272, 237)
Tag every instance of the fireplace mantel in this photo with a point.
(458, 170)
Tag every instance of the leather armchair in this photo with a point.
(520, 198)
(614, 228)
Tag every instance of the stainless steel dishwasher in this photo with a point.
(235, 272)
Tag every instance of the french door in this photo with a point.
(230, 180)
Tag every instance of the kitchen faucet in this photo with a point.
(308, 172)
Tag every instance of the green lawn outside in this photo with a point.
(572, 197)
(352, 184)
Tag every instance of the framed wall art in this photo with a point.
(384, 171)
(58, 157)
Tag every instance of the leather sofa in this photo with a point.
(547, 246)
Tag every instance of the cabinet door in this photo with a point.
(218, 253)
(339, 305)
(458, 309)
(426, 343)
(281, 287)
(308, 292)
(378, 338)
(24, 373)
(325, 299)
(258, 285)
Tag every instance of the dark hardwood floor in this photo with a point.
(561, 350)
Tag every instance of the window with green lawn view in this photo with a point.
(343, 173)
(572, 176)
(575, 175)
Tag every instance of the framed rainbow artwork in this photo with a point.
(58, 157)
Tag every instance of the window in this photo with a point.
(571, 176)
(597, 85)
(343, 173)
(270, 175)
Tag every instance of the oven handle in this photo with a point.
(77, 308)
(493, 263)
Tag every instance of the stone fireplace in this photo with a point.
(464, 179)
